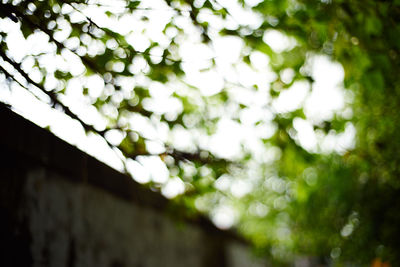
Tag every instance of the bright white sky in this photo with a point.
(321, 102)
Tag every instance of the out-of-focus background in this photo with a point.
(277, 119)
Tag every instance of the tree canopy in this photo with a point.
(158, 77)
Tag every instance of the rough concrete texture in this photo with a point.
(77, 225)
(59, 207)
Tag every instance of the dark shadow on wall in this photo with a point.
(61, 207)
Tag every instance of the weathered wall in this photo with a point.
(61, 207)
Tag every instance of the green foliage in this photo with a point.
(340, 206)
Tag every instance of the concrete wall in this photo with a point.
(60, 207)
